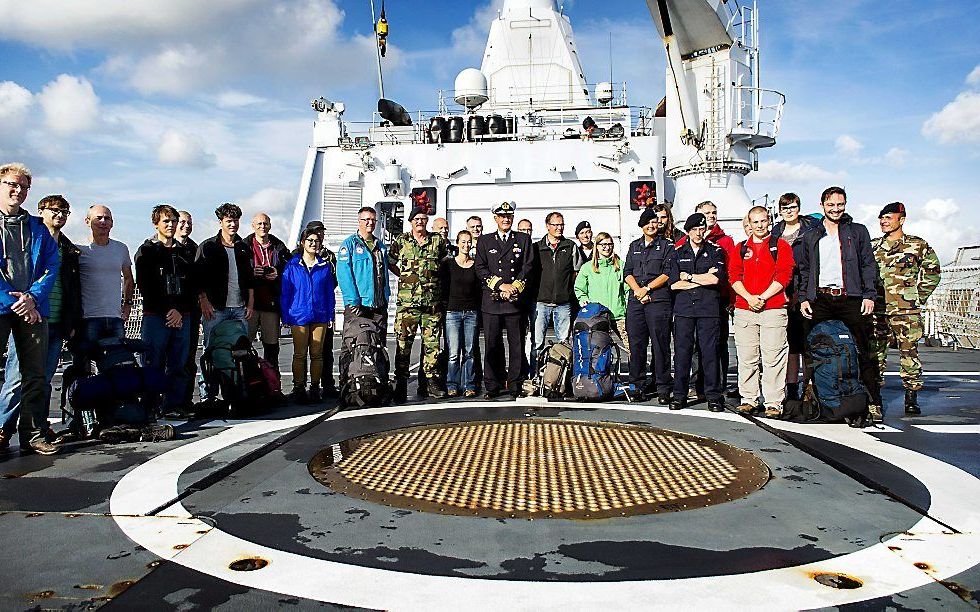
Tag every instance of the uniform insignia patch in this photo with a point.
(359, 250)
(493, 250)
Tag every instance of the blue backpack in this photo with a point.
(594, 364)
(840, 394)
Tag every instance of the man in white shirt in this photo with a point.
(107, 278)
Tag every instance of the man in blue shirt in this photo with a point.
(362, 271)
(695, 271)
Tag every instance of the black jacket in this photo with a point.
(211, 266)
(807, 225)
(554, 271)
(71, 286)
(499, 262)
(165, 277)
(704, 301)
(858, 264)
(646, 262)
(268, 293)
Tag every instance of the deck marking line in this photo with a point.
(950, 429)
(882, 572)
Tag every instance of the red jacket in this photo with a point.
(757, 270)
(719, 237)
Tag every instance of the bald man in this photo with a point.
(107, 278)
(441, 226)
(269, 258)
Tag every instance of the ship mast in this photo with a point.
(377, 51)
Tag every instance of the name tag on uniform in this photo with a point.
(684, 260)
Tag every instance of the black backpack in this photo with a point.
(363, 363)
(743, 247)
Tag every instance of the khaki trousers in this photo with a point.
(268, 322)
(760, 341)
(308, 339)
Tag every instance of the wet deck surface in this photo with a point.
(834, 494)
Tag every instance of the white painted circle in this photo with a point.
(882, 569)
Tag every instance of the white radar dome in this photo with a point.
(471, 88)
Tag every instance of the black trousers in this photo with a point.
(848, 311)
(705, 332)
(190, 368)
(494, 372)
(724, 358)
(649, 324)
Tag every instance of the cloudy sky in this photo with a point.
(134, 103)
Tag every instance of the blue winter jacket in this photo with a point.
(44, 255)
(308, 293)
(355, 273)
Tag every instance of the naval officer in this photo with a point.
(648, 311)
(696, 271)
(503, 265)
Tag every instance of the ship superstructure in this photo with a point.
(528, 128)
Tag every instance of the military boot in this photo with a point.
(400, 395)
(875, 414)
(912, 402)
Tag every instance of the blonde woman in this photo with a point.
(601, 282)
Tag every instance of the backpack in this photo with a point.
(363, 363)
(595, 367)
(231, 367)
(553, 375)
(836, 375)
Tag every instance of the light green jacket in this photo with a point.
(604, 287)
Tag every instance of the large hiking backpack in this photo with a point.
(363, 363)
(595, 363)
(232, 369)
(554, 372)
(122, 393)
(836, 373)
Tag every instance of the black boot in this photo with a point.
(912, 402)
(423, 388)
(400, 395)
(792, 391)
(270, 352)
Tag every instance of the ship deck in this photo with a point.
(229, 515)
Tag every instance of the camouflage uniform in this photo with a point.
(419, 293)
(908, 273)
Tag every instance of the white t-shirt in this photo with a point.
(831, 274)
(101, 271)
(234, 292)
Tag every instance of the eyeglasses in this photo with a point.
(605, 244)
(369, 220)
(790, 207)
(557, 224)
(16, 185)
(58, 211)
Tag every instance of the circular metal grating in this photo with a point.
(539, 469)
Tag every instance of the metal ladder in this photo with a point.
(715, 141)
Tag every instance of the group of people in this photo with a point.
(676, 293)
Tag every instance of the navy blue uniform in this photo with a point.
(497, 262)
(651, 321)
(697, 313)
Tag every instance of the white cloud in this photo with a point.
(974, 77)
(277, 203)
(958, 121)
(14, 102)
(69, 104)
(795, 173)
(181, 149)
(896, 156)
(237, 99)
(939, 221)
(470, 40)
(848, 146)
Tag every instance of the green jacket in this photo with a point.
(908, 273)
(604, 287)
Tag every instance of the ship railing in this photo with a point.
(758, 111)
(952, 313)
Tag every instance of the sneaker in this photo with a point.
(874, 414)
(437, 393)
(157, 433)
(773, 412)
(452, 393)
(469, 393)
(41, 447)
(4, 441)
(747, 408)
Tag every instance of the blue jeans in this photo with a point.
(98, 328)
(166, 351)
(544, 315)
(460, 339)
(10, 392)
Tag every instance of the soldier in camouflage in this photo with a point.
(416, 257)
(908, 273)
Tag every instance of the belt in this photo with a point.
(831, 291)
